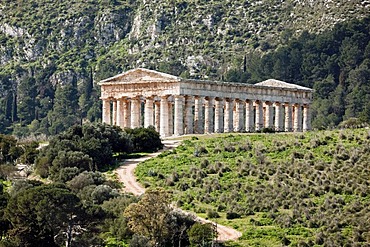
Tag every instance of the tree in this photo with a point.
(115, 224)
(85, 179)
(65, 109)
(70, 159)
(45, 215)
(145, 139)
(87, 147)
(202, 235)
(27, 93)
(151, 216)
(4, 224)
(357, 101)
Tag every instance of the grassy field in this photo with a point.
(296, 189)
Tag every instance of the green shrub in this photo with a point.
(211, 214)
(145, 139)
(232, 215)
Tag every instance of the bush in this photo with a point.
(232, 215)
(88, 147)
(268, 130)
(211, 214)
(145, 139)
(352, 123)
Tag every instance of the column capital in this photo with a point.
(181, 97)
(151, 97)
(164, 96)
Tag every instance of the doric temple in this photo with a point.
(177, 106)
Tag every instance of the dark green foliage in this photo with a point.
(212, 214)
(39, 216)
(65, 174)
(232, 215)
(202, 234)
(65, 109)
(115, 223)
(88, 147)
(13, 152)
(4, 223)
(8, 149)
(145, 139)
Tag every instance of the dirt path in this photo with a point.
(126, 175)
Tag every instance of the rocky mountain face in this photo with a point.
(198, 34)
(51, 43)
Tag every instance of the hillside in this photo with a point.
(45, 44)
(277, 189)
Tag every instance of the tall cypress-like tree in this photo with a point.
(65, 110)
(27, 93)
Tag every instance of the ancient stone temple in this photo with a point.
(177, 106)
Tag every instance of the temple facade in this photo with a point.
(177, 106)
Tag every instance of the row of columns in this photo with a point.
(188, 114)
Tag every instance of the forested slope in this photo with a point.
(53, 52)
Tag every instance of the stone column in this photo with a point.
(288, 117)
(297, 118)
(239, 110)
(306, 118)
(278, 117)
(126, 113)
(249, 116)
(208, 115)
(228, 115)
(157, 115)
(120, 115)
(179, 115)
(114, 113)
(164, 120)
(218, 115)
(189, 116)
(234, 116)
(259, 115)
(198, 115)
(148, 111)
(106, 111)
(269, 115)
(170, 118)
(135, 112)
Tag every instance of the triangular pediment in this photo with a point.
(281, 84)
(141, 75)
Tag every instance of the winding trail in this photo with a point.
(126, 175)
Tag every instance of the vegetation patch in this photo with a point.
(291, 189)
